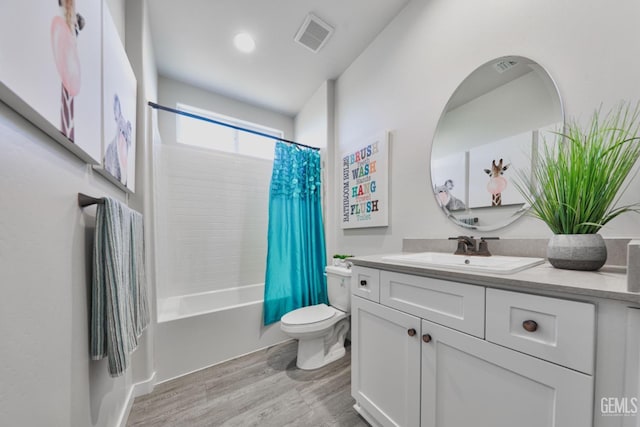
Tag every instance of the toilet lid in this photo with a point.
(311, 314)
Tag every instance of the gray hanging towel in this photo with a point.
(119, 303)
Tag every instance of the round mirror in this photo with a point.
(489, 133)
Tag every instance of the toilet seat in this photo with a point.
(311, 319)
(310, 314)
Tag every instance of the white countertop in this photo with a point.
(608, 282)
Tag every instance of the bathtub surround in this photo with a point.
(197, 190)
(296, 254)
(119, 300)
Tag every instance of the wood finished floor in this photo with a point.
(264, 389)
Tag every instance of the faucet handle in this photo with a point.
(483, 248)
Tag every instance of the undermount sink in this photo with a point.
(492, 264)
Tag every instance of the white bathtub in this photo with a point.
(199, 330)
(179, 307)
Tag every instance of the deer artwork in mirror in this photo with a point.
(497, 182)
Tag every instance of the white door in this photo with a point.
(471, 382)
(385, 373)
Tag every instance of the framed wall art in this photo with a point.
(119, 110)
(50, 69)
(365, 184)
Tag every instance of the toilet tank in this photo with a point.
(339, 287)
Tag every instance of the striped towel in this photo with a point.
(119, 307)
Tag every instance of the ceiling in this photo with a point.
(193, 42)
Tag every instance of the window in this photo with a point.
(199, 133)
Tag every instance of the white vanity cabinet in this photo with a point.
(467, 381)
(385, 373)
(423, 356)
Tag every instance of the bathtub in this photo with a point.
(199, 330)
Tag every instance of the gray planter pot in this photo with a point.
(577, 251)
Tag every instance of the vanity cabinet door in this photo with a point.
(467, 381)
(385, 376)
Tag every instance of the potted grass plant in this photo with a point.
(576, 184)
(339, 260)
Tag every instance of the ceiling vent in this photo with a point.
(314, 33)
(502, 66)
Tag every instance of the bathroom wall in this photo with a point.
(314, 126)
(142, 58)
(403, 80)
(46, 376)
(171, 91)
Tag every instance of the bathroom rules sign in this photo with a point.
(365, 184)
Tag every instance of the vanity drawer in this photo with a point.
(553, 329)
(365, 283)
(456, 305)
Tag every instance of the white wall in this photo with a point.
(46, 376)
(314, 126)
(403, 80)
(172, 91)
(142, 58)
(117, 10)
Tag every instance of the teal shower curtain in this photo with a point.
(296, 249)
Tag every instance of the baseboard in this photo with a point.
(223, 361)
(138, 389)
(124, 415)
(144, 387)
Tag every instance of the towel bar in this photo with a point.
(84, 200)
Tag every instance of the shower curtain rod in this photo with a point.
(206, 119)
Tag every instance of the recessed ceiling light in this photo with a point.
(244, 42)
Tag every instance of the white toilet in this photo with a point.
(321, 329)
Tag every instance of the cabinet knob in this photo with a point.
(426, 338)
(363, 283)
(411, 332)
(530, 325)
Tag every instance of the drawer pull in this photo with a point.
(426, 338)
(411, 332)
(363, 283)
(530, 325)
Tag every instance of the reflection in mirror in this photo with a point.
(491, 129)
